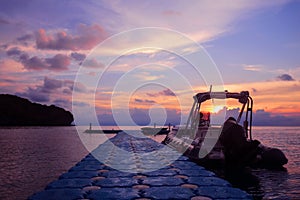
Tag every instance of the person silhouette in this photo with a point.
(238, 150)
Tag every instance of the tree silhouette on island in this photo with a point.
(17, 111)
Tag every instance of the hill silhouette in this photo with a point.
(17, 111)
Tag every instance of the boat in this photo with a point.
(200, 141)
(103, 131)
(154, 131)
(107, 131)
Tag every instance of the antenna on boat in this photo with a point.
(210, 90)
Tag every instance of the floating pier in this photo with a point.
(138, 168)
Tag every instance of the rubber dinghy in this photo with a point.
(229, 143)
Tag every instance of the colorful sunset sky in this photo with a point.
(254, 45)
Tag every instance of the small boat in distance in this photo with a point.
(112, 131)
(155, 131)
(103, 131)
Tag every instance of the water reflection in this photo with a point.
(31, 157)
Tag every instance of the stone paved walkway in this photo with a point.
(138, 168)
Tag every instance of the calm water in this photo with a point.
(279, 184)
(31, 157)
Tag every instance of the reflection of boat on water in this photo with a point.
(155, 131)
(199, 140)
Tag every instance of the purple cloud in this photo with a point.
(144, 101)
(4, 21)
(64, 103)
(14, 52)
(35, 94)
(53, 87)
(166, 92)
(25, 37)
(93, 63)
(34, 63)
(76, 86)
(285, 77)
(88, 37)
(263, 118)
(80, 104)
(52, 84)
(140, 116)
(58, 62)
(254, 90)
(41, 93)
(78, 56)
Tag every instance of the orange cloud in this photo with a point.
(272, 96)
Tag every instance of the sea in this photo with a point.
(32, 157)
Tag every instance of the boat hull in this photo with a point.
(205, 147)
(103, 131)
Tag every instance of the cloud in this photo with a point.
(93, 63)
(193, 15)
(14, 52)
(285, 77)
(106, 119)
(166, 92)
(253, 90)
(52, 84)
(10, 66)
(59, 62)
(64, 103)
(4, 21)
(41, 93)
(80, 104)
(260, 117)
(34, 63)
(263, 118)
(37, 96)
(253, 67)
(78, 56)
(54, 91)
(25, 37)
(144, 101)
(87, 38)
(76, 86)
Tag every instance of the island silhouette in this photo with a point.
(17, 111)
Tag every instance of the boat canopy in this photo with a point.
(204, 96)
(243, 97)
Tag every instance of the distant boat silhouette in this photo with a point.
(112, 131)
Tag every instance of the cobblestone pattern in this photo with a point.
(179, 179)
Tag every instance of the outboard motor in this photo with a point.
(273, 158)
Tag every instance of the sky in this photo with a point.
(134, 61)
